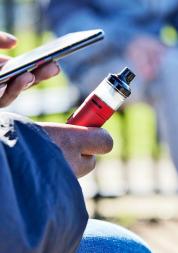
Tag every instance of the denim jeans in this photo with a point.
(104, 237)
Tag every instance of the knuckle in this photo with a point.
(10, 98)
(90, 163)
(4, 103)
(1, 103)
(86, 165)
(80, 169)
(70, 141)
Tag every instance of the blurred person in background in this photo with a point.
(42, 207)
(135, 37)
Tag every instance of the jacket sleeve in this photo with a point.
(42, 207)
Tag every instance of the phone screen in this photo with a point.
(54, 50)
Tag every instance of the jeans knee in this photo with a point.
(104, 237)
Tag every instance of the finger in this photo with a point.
(87, 140)
(7, 40)
(96, 141)
(4, 59)
(91, 140)
(46, 71)
(15, 87)
(3, 87)
(86, 165)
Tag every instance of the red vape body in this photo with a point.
(100, 105)
(92, 113)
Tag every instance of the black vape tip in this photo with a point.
(126, 75)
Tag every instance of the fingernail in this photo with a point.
(57, 67)
(27, 85)
(2, 89)
(2, 64)
(57, 63)
(10, 36)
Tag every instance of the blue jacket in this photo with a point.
(42, 207)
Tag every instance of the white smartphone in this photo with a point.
(51, 51)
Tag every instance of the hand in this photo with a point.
(145, 53)
(79, 144)
(9, 92)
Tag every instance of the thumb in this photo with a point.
(7, 40)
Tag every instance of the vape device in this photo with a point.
(100, 105)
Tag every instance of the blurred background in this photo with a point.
(136, 184)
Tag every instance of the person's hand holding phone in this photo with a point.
(9, 92)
